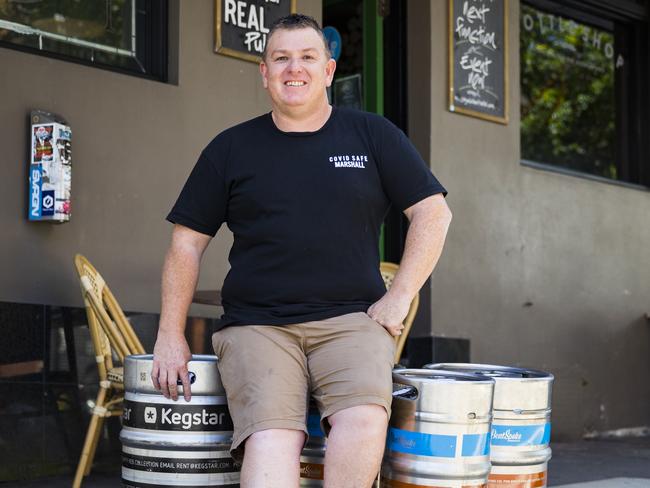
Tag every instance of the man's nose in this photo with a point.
(295, 65)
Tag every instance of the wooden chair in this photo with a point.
(112, 336)
(388, 271)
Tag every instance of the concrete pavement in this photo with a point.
(620, 463)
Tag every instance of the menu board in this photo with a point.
(242, 27)
(478, 58)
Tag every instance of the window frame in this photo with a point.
(632, 120)
(152, 31)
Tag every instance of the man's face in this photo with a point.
(297, 71)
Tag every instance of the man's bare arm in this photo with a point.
(180, 275)
(429, 221)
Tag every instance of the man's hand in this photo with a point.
(170, 356)
(390, 311)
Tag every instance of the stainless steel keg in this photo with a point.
(176, 443)
(438, 433)
(521, 424)
(312, 458)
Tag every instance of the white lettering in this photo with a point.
(255, 41)
(36, 194)
(240, 14)
(507, 435)
(188, 420)
(230, 8)
(253, 22)
(475, 13)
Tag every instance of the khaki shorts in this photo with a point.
(270, 371)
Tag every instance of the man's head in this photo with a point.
(297, 66)
(292, 22)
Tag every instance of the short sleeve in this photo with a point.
(202, 203)
(405, 176)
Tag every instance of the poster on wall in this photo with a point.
(242, 27)
(50, 168)
(478, 58)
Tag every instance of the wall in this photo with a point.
(540, 269)
(134, 143)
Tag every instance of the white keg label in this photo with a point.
(181, 417)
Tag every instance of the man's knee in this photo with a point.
(365, 418)
(288, 440)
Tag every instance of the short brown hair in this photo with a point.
(296, 21)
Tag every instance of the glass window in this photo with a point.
(128, 35)
(581, 84)
(567, 83)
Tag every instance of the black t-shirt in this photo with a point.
(305, 209)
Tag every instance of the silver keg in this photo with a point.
(438, 432)
(176, 443)
(312, 458)
(521, 424)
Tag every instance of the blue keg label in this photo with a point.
(178, 465)
(177, 417)
(313, 426)
(421, 444)
(475, 445)
(520, 435)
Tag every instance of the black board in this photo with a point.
(478, 58)
(241, 27)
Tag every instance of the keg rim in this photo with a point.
(195, 357)
(430, 375)
(493, 370)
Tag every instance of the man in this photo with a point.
(304, 190)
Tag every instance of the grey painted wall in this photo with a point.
(540, 269)
(134, 143)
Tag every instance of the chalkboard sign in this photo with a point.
(241, 27)
(478, 58)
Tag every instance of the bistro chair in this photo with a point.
(113, 338)
(388, 271)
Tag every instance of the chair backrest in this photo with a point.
(388, 271)
(109, 328)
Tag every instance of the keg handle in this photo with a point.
(406, 392)
(192, 378)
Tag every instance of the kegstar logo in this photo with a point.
(150, 415)
(187, 420)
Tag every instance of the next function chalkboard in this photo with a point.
(478, 58)
(241, 27)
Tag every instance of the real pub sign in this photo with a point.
(242, 27)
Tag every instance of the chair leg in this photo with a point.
(93, 447)
(92, 435)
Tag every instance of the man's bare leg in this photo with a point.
(355, 446)
(272, 459)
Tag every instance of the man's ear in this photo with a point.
(263, 71)
(330, 68)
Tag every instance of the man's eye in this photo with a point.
(281, 58)
(308, 56)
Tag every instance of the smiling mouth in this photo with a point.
(295, 83)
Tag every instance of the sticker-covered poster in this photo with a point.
(50, 168)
